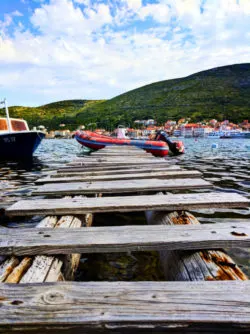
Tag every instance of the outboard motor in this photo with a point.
(175, 147)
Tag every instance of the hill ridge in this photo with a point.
(221, 92)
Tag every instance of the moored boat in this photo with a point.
(215, 134)
(159, 147)
(16, 140)
(236, 135)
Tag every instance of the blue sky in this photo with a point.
(52, 50)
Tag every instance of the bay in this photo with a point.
(226, 167)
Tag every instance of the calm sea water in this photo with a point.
(226, 166)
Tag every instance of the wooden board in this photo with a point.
(113, 167)
(124, 162)
(119, 153)
(135, 176)
(130, 170)
(170, 202)
(44, 268)
(122, 239)
(105, 306)
(117, 187)
(121, 159)
(195, 265)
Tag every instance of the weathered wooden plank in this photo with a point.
(123, 239)
(7, 267)
(147, 305)
(39, 270)
(111, 166)
(121, 147)
(119, 153)
(75, 188)
(19, 270)
(169, 202)
(122, 158)
(193, 265)
(139, 170)
(42, 265)
(44, 268)
(92, 163)
(136, 176)
(11, 270)
(47, 268)
(110, 162)
(71, 261)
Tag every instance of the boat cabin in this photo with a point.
(17, 125)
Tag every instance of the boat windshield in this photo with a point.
(19, 125)
(3, 124)
(16, 124)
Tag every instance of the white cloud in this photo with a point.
(61, 17)
(83, 2)
(134, 4)
(87, 52)
(159, 12)
(16, 13)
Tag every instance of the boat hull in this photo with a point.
(241, 135)
(19, 145)
(97, 142)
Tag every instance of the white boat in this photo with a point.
(236, 134)
(215, 134)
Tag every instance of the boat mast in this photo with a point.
(7, 114)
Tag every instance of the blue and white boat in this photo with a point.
(236, 135)
(215, 134)
(16, 140)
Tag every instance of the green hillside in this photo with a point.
(221, 93)
(53, 114)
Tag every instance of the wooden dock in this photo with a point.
(204, 291)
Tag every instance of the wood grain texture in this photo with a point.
(123, 239)
(121, 158)
(13, 269)
(111, 166)
(17, 273)
(169, 202)
(99, 163)
(117, 187)
(112, 161)
(48, 268)
(120, 154)
(148, 169)
(132, 304)
(42, 265)
(7, 267)
(130, 176)
(193, 265)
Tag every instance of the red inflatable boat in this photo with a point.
(159, 147)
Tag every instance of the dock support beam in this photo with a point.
(203, 265)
